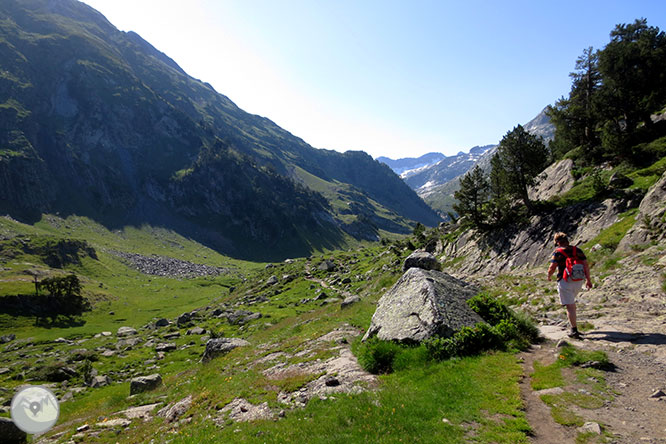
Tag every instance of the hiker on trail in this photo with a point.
(571, 265)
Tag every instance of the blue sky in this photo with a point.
(392, 78)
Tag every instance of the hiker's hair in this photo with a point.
(561, 237)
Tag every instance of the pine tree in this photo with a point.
(522, 156)
(472, 197)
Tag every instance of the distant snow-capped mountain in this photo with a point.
(400, 166)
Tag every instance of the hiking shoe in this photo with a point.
(574, 333)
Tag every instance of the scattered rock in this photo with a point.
(168, 266)
(10, 433)
(241, 410)
(423, 260)
(126, 331)
(349, 300)
(145, 383)
(657, 394)
(326, 266)
(272, 280)
(166, 347)
(100, 381)
(550, 391)
(162, 322)
(141, 412)
(184, 319)
(221, 346)
(111, 423)
(4, 370)
(196, 331)
(590, 427)
(83, 428)
(422, 304)
(172, 335)
(106, 333)
(7, 338)
(172, 412)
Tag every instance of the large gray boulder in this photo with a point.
(423, 304)
(423, 260)
(650, 220)
(145, 383)
(221, 346)
(11, 434)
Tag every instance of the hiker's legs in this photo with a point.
(571, 315)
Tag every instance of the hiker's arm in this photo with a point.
(552, 269)
(588, 284)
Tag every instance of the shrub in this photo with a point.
(503, 329)
(377, 356)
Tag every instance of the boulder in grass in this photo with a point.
(126, 331)
(145, 383)
(221, 346)
(423, 304)
(423, 260)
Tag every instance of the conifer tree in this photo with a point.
(472, 197)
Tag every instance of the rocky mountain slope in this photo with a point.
(97, 122)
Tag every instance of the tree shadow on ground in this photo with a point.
(634, 338)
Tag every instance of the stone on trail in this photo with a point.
(423, 304)
(145, 383)
(423, 260)
(221, 346)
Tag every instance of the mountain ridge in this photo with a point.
(99, 122)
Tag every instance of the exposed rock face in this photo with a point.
(532, 245)
(221, 346)
(423, 260)
(10, 433)
(145, 383)
(172, 412)
(422, 304)
(556, 179)
(651, 219)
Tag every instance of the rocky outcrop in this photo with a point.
(651, 218)
(422, 304)
(221, 346)
(532, 245)
(555, 180)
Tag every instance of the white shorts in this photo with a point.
(568, 291)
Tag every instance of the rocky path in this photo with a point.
(636, 413)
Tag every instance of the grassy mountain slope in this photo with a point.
(301, 328)
(97, 122)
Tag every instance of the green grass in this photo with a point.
(546, 376)
(410, 407)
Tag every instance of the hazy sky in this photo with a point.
(392, 78)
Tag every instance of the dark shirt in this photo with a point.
(561, 260)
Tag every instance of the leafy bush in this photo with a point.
(502, 330)
(377, 356)
(381, 357)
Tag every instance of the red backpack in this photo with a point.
(574, 269)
